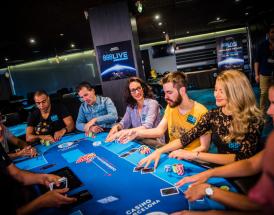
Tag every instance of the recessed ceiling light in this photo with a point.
(32, 41)
(61, 34)
(218, 18)
(6, 59)
(157, 16)
(237, 0)
(187, 32)
(164, 32)
(246, 13)
(72, 45)
(160, 24)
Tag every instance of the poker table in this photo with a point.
(110, 179)
(18, 130)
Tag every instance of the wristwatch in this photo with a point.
(209, 191)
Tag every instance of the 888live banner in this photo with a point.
(116, 61)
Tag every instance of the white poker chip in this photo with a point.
(65, 145)
(97, 143)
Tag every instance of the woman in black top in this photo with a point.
(236, 124)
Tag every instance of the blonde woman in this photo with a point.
(236, 124)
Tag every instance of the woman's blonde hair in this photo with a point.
(241, 103)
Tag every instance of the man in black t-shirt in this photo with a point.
(10, 176)
(49, 122)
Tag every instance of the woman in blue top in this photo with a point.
(142, 110)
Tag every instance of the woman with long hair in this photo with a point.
(142, 110)
(236, 124)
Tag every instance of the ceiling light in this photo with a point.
(61, 34)
(164, 32)
(6, 59)
(237, 0)
(160, 24)
(218, 18)
(72, 45)
(246, 13)
(187, 32)
(157, 17)
(32, 41)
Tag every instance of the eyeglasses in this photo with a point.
(133, 91)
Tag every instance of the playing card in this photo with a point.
(169, 191)
(138, 168)
(147, 170)
(124, 155)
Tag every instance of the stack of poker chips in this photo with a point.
(178, 169)
(144, 150)
(91, 134)
(45, 142)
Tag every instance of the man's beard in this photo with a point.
(176, 102)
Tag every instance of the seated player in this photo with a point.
(181, 114)
(143, 112)
(96, 112)
(49, 122)
(7, 137)
(261, 197)
(10, 177)
(236, 125)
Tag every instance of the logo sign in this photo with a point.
(230, 52)
(116, 61)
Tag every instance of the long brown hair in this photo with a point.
(148, 93)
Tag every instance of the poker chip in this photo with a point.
(224, 187)
(178, 169)
(97, 143)
(91, 134)
(144, 150)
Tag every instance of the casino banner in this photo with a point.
(116, 61)
(230, 52)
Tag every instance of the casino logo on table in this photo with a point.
(142, 207)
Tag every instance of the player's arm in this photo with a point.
(214, 158)
(54, 198)
(234, 200)
(159, 131)
(240, 168)
(30, 137)
(205, 143)
(231, 199)
(69, 123)
(156, 155)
